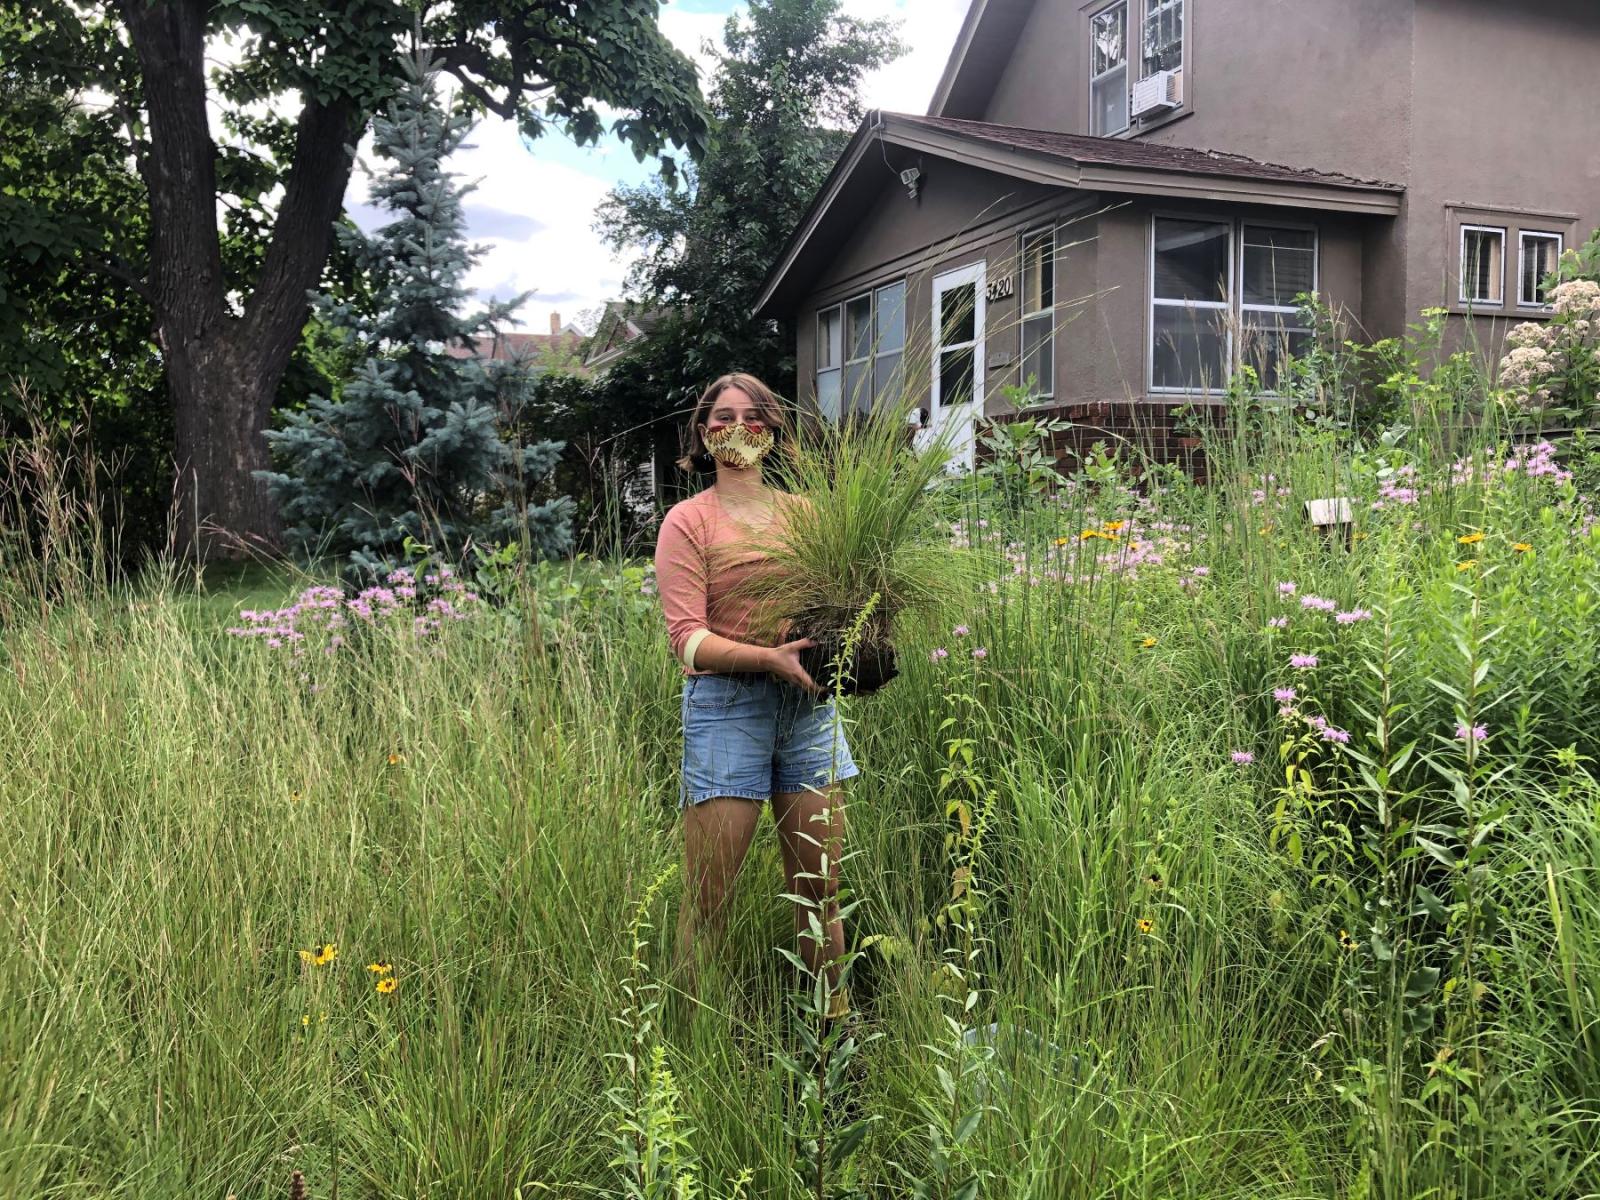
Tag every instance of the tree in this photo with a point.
(413, 447)
(228, 302)
(785, 99)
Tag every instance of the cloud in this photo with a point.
(493, 222)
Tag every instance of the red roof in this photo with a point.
(519, 347)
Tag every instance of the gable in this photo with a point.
(980, 57)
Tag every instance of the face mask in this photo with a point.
(739, 446)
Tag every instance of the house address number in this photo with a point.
(1000, 288)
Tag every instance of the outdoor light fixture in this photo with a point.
(912, 178)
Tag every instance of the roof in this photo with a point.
(1125, 166)
(519, 347)
(621, 324)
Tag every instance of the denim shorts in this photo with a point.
(752, 736)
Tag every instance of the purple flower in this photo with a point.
(1283, 695)
(1286, 589)
(960, 631)
(1318, 603)
(1201, 572)
(1285, 711)
(1332, 734)
(1476, 734)
(1243, 758)
(1279, 622)
(980, 652)
(1351, 617)
(1302, 661)
(939, 654)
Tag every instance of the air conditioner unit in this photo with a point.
(1158, 93)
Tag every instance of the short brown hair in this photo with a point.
(773, 415)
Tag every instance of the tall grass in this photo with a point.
(491, 810)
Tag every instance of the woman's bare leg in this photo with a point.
(805, 834)
(716, 838)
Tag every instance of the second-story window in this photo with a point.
(1108, 70)
(1483, 264)
(1161, 42)
(1039, 312)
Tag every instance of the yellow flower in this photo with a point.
(1359, 536)
(1090, 533)
(326, 954)
(1155, 881)
(1470, 539)
(307, 956)
(396, 759)
(1265, 529)
(387, 985)
(296, 797)
(1148, 642)
(305, 1019)
(380, 968)
(1521, 547)
(1146, 925)
(1467, 565)
(1133, 545)
(1063, 541)
(1112, 526)
(1345, 940)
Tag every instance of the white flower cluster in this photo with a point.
(1556, 362)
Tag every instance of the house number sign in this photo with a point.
(1000, 288)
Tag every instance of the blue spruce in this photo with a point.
(418, 442)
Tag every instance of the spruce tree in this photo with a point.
(417, 440)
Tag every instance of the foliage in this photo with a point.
(1553, 368)
(413, 447)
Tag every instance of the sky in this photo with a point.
(534, 207)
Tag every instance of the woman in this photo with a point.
(754, 726)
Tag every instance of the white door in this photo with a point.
(958, 304)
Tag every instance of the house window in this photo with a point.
(828, 362)
(1038, 312)
(1162, 37)
(1539, 254)
(1108, 70)
(1190, 296)
(860, 344)
(1275, 266)
(1483, 267)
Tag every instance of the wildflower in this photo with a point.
(1285, 711)
(960, 631)
(1155, 881)
(939, 654)
(980, 653)
(1242, 758)
(1146, 925)
(1284, 695)
(1521, 547)
(387, 984)
(1302, 662)
(1351, 617)
(1087, 534)
(1148, 642)
(1334, 734)
(1470, 539)
(296, 796)
(1112, 526)
(1466, 565)
(1346, 941)
(326, 954)
(396, 759)
(1317, 603)
(1358, 536)
(380, 968)
(305, 1019)
(1278, 622)
(1063, 541)
(1200, 572)
(1476, 734)
(1286, 589)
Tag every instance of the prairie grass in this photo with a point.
(1230, 982)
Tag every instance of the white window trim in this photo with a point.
(1543, 235)
(1126, 68)
(1461, 267)
(940, 413)
(1183, 38)
(816, 357)
(1288, 310)
(1025, 314)
(1152, 302)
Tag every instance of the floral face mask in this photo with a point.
(739, 446)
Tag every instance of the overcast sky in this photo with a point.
(535, 204)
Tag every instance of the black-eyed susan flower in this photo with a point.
(326, 953)
(396, 759)
(1154, 881)
(1063, 541)
(1521, 547)
(1146, 925)
(1148, 642)
(380, 968)
(387, 985)
(296, 796)
(1113, 526)
(307, 956)
(1470, 539)
(1466, 564)
(1346, 941)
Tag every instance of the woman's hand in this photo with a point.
(784, 662)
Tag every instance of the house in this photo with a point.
(1113, 203)
(622, 327)
(539, 352)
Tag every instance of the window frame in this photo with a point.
(1279, 309)
(1183, 37)
(1126, 68)
(1024, 314)
(1228, 306)
(1523, 237)
(1088, 10)
(1468, 302)
(843, 363)
(1234, 306)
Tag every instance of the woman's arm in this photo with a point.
(714, 653)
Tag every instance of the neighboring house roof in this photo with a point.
(520, 347)
(621, 326)
(1067, 160)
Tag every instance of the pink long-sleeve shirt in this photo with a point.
(697, 590)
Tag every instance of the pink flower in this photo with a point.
(1331, 734)
(1318, 603)
(1351, 617)
(1476, 734)
(1243, 758)
(1302, 661)
(939, 654)
(1279, 622)
(1201, 572)
(1285, 711)
(1286, 589)
(960, 631)
(980, 652)
(1283, 695)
